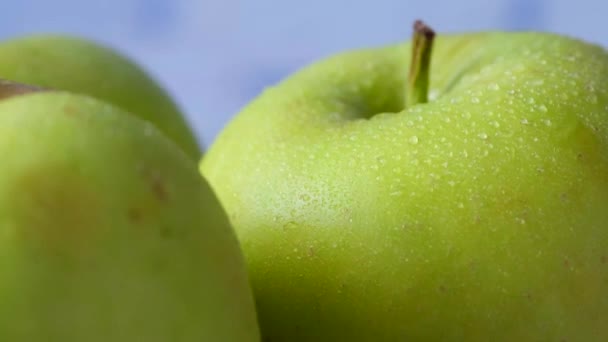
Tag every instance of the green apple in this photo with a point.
(366, 214)
(108, 232)
(82, 66)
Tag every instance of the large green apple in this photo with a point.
(82, 66)
(480, 215)
(108, 232)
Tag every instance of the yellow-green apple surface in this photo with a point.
(108, 232)
(467, 201)
(86, 67)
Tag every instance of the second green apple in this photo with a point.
(86, 67)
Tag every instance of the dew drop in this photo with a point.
(537, 82)
(547, 122)
(433, 94)
(542, 108)
(592, 98)
(495, 124)
(413, 139)
(474, 99)
(531, 100)
(149, 130)
(482, 136)
(494, 86)
(524, 121)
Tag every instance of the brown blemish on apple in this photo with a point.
(56, 207)
(70, 110)
(311, 252)
(567, 262)
(157, 184)
(160, 190)
(134, 215)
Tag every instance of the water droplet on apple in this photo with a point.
(413, 139)
(592, 98)
(474, 99)
(542, 108)
(547, 122)
(537, 82)
(483, 136)
(451, 183)
(495, 124)
(433, 94)
(460, 205)
(531, 100)
(149, 130)
(524, 121)
(494, 86)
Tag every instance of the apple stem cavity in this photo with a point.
(418, 79)
(10, 89)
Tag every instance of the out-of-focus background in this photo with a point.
(214, 56)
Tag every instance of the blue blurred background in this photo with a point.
(214, 56)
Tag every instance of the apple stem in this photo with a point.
(10, 89)
(418, 80)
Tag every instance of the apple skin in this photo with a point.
(108, 232)
(82, 66)
(481, 215)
